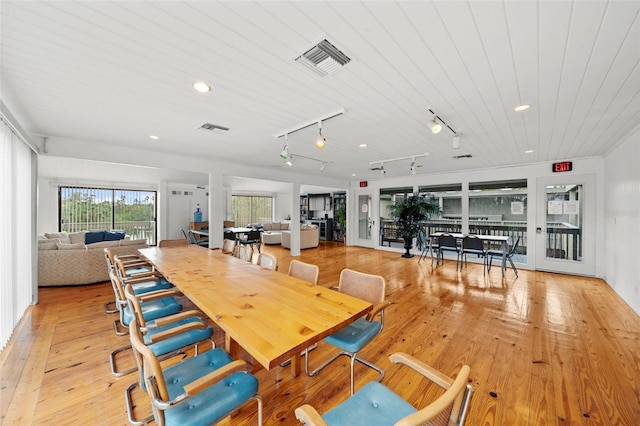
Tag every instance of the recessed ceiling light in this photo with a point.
(522, 107)
(363, 145)
(201, 87)
(529, 151)
(154, 137)
(353, 174)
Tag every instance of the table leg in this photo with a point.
(296, 365)
(231, 346)
(504, 257)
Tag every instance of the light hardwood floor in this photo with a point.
(543, 348)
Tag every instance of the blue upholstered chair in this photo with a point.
(352, 338)
(377, 405)
(153, 309)
(131, 265)
(165, 337)
(200, 390)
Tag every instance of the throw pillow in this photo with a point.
(48, 244)
(77, 237)
(113, 235)
(62, 236)
(93, 237)
(63, 246)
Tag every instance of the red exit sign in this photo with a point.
(563, 166)
(363, 184)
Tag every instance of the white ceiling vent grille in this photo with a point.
(214, 128)
(323, 58)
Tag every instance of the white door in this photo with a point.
(565, 224)
(365, 222)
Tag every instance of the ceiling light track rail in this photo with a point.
(437, 117)
(310, 123)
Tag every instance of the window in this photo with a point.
(450, 200)
(500, 208)
(247, 209)
(85, 209)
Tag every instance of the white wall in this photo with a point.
(182, 202)
(622, 220)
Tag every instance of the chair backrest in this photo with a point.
(189, 236)
(228, 246)
(229, 235)
(363, 286)
(118, 289)
(447, 240)
(111, 262)
(267, 261)
(245, 253)
(304, 271)
(472, 242)
(147, 362)
(253, 235)
(450, 407)
(174, 243)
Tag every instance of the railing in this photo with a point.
(136, 230)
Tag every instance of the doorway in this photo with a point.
(364, 214)
(565, 224)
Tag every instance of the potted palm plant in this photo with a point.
(410, 215)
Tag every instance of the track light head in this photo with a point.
(323, 166)
(321, 140)
(290, 161)
(435, 126)
(285, 152)
(414, 170)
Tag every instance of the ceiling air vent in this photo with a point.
(323, 58)
(456, 157)
(214, 128)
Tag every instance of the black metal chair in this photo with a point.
(447, 242)
(192, 239)
(471, 244)
(252, 238)
(510, 254)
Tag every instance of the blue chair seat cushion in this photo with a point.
(355, 335)
(214, 403)
(373, 405)
(153, 309)
(136, 270)
(142, 287)
(178, 341)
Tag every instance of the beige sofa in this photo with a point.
(272, 232)
(74, 263)
(309, 237)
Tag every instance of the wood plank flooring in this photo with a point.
(543, 348)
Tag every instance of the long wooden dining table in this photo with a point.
(271, 315)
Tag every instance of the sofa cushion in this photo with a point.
(103, 244)
(93, 237)
(77, 246)
(113, 235)
(77, 237)
(123, 243)
(62, 236)
(48, 244)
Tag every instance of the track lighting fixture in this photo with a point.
(290, 160)
(413, 168)
(321, 140)
(323, 166)
(285, 152)
(435, 126)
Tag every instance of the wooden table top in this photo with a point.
(271, 315)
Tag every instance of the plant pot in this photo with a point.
(407, 254)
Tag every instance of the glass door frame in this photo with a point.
(587, 265)
(372, 222)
